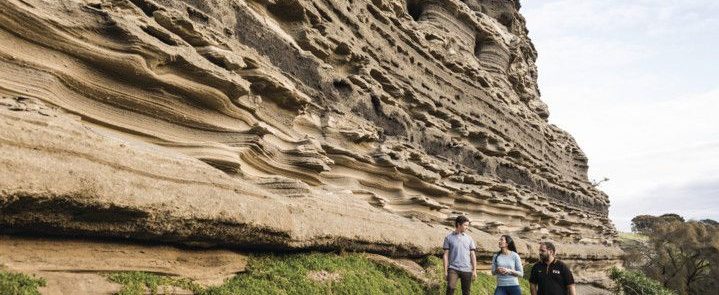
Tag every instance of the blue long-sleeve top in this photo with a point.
(510, 261)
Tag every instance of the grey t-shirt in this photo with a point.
(511, 261)
(459, 246)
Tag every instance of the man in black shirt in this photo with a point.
(551, 276)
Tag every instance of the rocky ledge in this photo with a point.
(287, 125)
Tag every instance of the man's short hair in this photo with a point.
(460, 220)
(549, 246)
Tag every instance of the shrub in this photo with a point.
(635, 283)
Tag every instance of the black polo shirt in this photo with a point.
(552, 279)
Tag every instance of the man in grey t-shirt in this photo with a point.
(460, 261)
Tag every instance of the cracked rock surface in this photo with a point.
(288, 124)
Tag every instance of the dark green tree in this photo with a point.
(682, 255)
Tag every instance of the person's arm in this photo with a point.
(445, 256)
(569, 280)
(445, 259)
(571, 290)
(533, 289)
(474, 263)
(518, 268)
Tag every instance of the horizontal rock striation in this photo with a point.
(287, 124)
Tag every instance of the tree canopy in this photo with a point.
(682, 255)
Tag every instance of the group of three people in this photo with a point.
(549, 276)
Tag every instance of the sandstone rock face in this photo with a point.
(288, 124)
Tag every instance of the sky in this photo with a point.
(637, 85)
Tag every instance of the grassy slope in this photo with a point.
(290, 274)
(313, 273)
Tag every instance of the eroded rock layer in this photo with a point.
(289, 124)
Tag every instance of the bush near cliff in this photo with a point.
(682, 256)
(635, 283)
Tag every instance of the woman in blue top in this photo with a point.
(507, 266)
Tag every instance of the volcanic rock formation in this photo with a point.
(288, 124)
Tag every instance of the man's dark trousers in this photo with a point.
(464, 276)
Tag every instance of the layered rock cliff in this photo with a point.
(287, 124)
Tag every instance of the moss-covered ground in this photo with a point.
(137, 282)
(12, 283)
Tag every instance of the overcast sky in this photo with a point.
(637, 84)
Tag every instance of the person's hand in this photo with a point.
(445, 273)
(502, 270)
(474, 274)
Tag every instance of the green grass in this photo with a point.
(313, 273)
(636, 283)
(12, 283)
(625, 236)
(136, 282)
(288, 274)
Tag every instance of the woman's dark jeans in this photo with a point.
(508, 290)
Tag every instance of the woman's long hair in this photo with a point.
(510, 244)
(510, 247)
